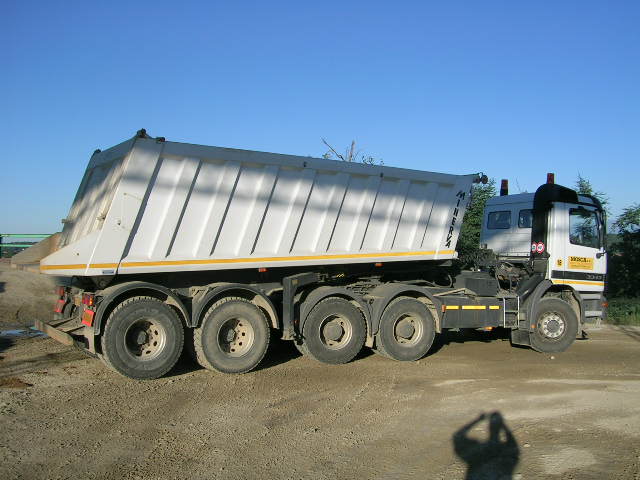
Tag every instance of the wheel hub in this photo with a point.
(552, 325)
(333, 331)
(142, 337)
(145, 338)
(236, 337)
(230, 335)
(405, 329)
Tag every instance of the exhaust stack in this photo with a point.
(504, 187)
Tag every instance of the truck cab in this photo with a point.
(557, 233)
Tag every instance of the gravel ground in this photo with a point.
(476, 407)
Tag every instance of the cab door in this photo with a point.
(578, 258)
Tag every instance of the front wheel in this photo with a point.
(142, 339)
(556, 326)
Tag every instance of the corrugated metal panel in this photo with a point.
(93, 199)
(212, 208)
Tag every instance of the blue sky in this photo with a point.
(507, 88)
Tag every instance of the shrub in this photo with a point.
(624, 311)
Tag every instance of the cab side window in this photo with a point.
(499, 220)
(525, 218)
(583, 228)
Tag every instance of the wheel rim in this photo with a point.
(335, 331)
(552, 325)
(145, 339)
(407, 330)
(236, 336)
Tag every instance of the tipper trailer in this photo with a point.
(171, 245)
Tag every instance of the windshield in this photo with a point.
(584, 228)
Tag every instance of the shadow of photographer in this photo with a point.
(491, 459)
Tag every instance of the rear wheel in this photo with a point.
(143, 338)
(406, 330)
(334, 332)
(556, 326)
(233, 338)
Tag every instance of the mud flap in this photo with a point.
(520, 337)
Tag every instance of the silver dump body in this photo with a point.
(147, 205)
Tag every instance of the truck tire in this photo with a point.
(406, 330)
(189, 347)
(142, 339)
(556, 326)
(233, 337)
(334, 332)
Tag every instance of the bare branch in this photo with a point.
(333, 150)
(350, 154)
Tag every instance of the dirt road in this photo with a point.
(573, 416)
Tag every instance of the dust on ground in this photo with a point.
(24, 296)
(475, 408)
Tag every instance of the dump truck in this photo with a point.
(171, 246)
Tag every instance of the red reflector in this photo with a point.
(605, 304)
(262, 269)
(378, 264)
(59, 306)
(87, 317)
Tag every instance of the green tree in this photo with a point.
(584, 187)
(624, 255)
(629, 219)
(469, 240)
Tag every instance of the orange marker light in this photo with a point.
(88, 299)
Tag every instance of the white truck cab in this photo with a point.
(556, 231)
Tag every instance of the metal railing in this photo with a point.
(20, 246)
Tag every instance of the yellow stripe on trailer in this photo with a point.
(213, 261)
(474, 307)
